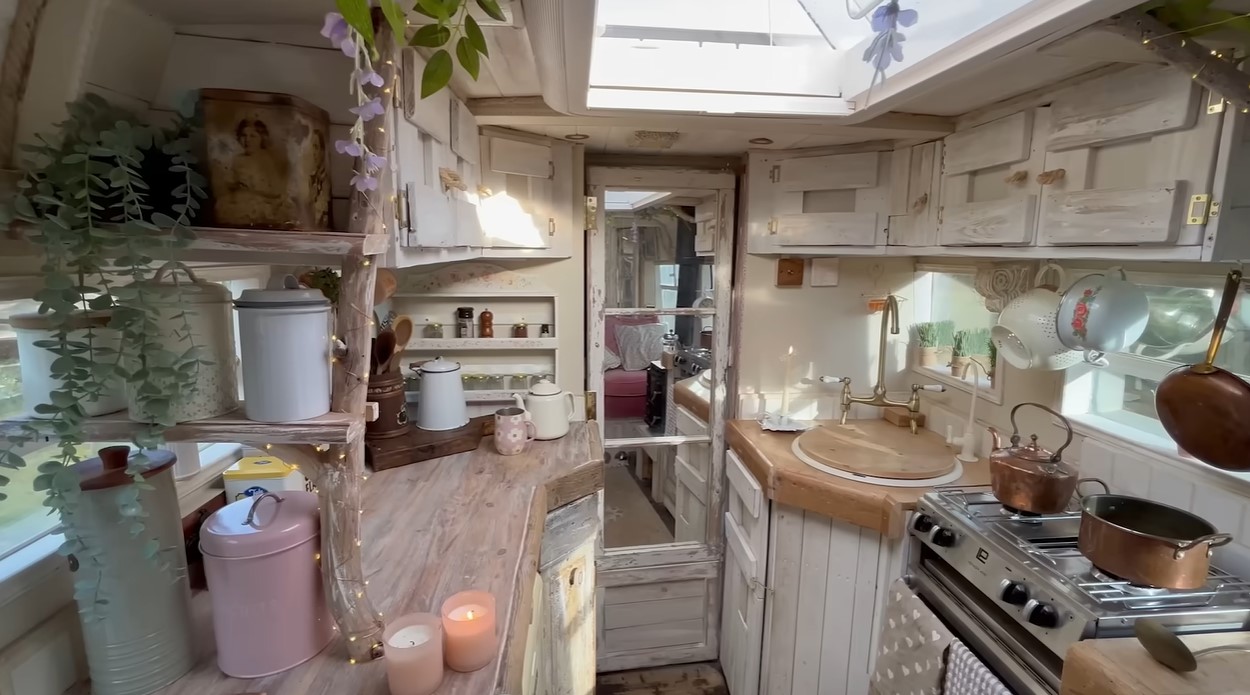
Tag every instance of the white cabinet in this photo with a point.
(1126, 159)
(989, 192)
(915, 181)
(517, 194)
(816, 205)
(691, 466)
(746, 553)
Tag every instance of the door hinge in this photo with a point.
(591, 208)
(941, 209)
(1215, 209)
(551, 169)
(760, 590)
(592, 406)
(1215, 103)
(551, 226)
(772, 226)
(774, 174)
(1199, 209)
(402, 213)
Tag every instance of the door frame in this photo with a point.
(689, 560)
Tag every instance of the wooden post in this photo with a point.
(343, 467)
(1183, 53)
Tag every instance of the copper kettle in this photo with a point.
(1030, 478)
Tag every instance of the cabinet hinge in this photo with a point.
(772, 226)
(1215, 103)
(1215, 209)
(1199, 209)
(592, 406)
(592, 208)
(941, 209)
(551, 169)
(401, 208)
(551, 226)
(760, 590)
(774, 174)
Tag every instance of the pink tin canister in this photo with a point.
(269, 608)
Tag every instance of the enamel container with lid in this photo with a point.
(441, 406)
(36, 362)
(192, 313)
(284, 335)
(261, 559)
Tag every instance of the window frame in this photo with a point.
(923, 297)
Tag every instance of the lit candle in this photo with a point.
(414, 654)
(469, 639)
(785, 387)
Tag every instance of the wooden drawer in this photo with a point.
(688, 424)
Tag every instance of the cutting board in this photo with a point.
(862, 450)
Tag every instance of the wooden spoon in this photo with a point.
(384, 350)
(403, 333)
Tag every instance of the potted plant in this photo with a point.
(978, 346)
(993, 357)
(927, 343)
(960, 353)
(945, 331)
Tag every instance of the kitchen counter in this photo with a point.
(788, 480)
(693, 396)
(431, 529)
(1122, 666)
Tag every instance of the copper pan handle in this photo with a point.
(1231, 286)
(1213, 540)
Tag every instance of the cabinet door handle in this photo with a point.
(1053, 176)
(1017, 177)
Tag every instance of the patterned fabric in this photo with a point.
(640, 345)
(912, 646)
(966, 675)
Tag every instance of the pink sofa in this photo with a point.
(624, 393)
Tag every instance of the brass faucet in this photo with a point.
(889, 326)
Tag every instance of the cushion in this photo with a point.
(611, 323)
(640, 345)
(611, 360)
(618, 382)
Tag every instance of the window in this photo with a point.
(1120, 398)
(948, 309)
(666, 291)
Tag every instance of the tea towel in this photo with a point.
(966, 675)
(912, 646)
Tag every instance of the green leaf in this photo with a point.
(473, 32)
(395, 17)
(435, 9)
(437, 73)
(430, 36)
(467, 55)
(356, 12)
(491, 8)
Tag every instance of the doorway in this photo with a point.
(659, 267)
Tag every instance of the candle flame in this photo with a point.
(791, 351)
(468, 615)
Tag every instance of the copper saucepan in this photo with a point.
(1147, 543)
(1205, 409)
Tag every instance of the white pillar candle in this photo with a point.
(414, 654)
(785, 386)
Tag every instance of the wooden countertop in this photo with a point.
(693, 398)
(788, 480)
(1122, 667)
(431, 529)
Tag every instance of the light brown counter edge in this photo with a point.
(1123, 667)
(881, 509)
(574, 484)
(686, 398)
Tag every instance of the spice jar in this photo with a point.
(545, 331)
(464, 322)
(434, 330)
(520, 330)
(487, 320)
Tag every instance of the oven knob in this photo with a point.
(1014, 593)
(922, 523)
(943, 538)
(1041, 614)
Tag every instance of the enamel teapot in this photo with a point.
(549, 408)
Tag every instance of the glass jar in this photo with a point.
(494, 382)
(519, 382)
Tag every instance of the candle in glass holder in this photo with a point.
(469, 638)
(414, 654)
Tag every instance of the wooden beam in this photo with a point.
(1182, 53)
(534, 112)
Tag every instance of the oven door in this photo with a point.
(1016, 658)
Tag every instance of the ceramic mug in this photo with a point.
(513, 431)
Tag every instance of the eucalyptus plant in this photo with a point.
(88, 202)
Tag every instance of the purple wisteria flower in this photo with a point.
(348, 147)
(887, 46)
(367, 77)
(364, 182)
(369, 110)
(336, 29)
(375, 161)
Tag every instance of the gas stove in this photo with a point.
(692, 361)
(1021, 578)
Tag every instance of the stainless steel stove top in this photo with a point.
(1028, 568)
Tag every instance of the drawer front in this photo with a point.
(688, 424)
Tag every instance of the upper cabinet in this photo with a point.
(818, 204)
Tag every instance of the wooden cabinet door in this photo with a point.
(915, 181)
(566, 664)
(1125, 156)
(742, 607)
(690, 509)
(516, 205)
(834, 200)
(989, 195)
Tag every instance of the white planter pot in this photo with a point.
(36, 362)
(284, 335)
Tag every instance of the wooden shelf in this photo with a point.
(450, 344)
(332, 428)
(269, 241)
(484, 294)
(471, 396)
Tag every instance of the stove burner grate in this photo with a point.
(1125, 585)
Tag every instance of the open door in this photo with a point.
(655, 286)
